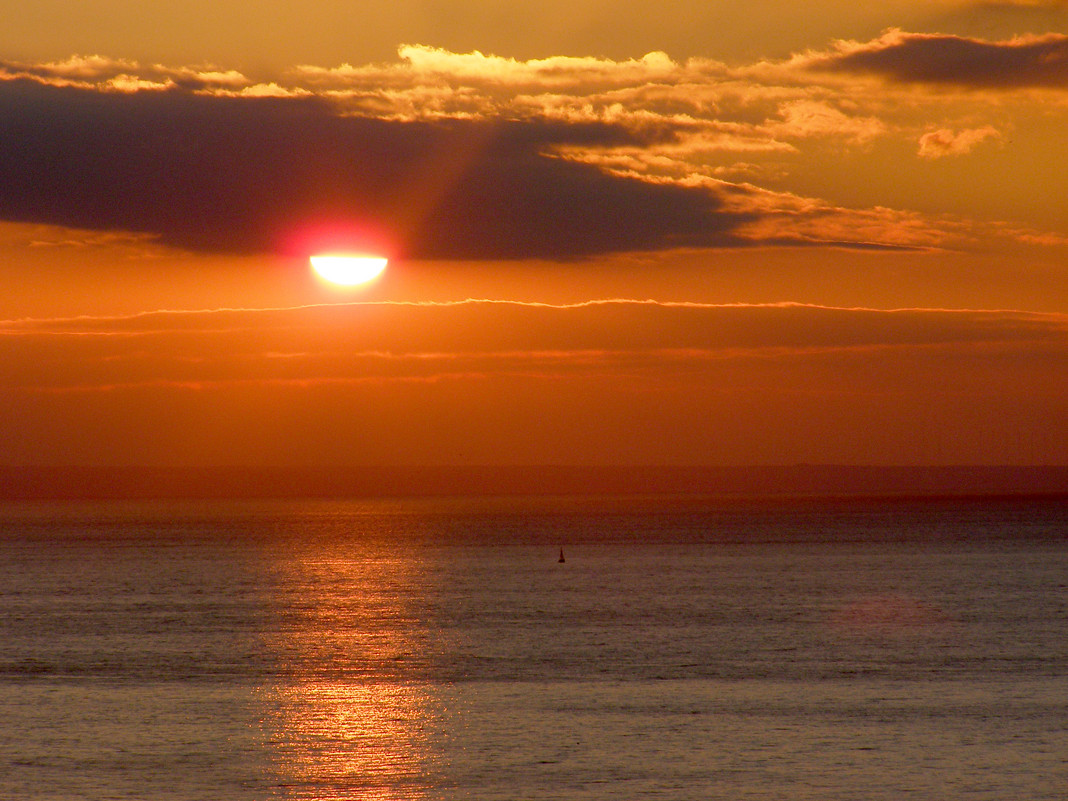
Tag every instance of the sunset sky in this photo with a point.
(619, 233)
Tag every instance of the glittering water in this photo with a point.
(437, 649)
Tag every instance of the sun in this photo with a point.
(348, 270)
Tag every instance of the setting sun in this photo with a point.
(348, 270)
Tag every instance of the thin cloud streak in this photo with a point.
(493, 338)
(37, 324)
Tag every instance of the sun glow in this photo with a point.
(348, 270)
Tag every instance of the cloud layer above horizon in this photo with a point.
(425, 340)
(470, 156)
(490, 382)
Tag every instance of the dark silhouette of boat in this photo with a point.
(561, 560)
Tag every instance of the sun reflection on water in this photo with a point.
(340, 740)
(350, 717)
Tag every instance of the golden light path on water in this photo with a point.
(344, 722)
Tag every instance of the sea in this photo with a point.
(438, 648)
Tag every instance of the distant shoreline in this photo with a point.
(101, 483)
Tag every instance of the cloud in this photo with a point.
(87, 68)
(944, 142)
(463, 155)
(101, 72)
(215, 173)
(247, 173)
(476, 68)
(812, 118)
(479, 325)
(433, 381)
(1023, 61)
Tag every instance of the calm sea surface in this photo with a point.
(437, 649)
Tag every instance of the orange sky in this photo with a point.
(841, 239)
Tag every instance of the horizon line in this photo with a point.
(144, 482)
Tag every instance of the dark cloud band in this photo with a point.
(243, 175)
(1035, 61)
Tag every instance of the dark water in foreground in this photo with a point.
(436, 649)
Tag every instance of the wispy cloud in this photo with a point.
(944, 142)
(123, 75)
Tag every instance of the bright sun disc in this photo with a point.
(348, 270)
